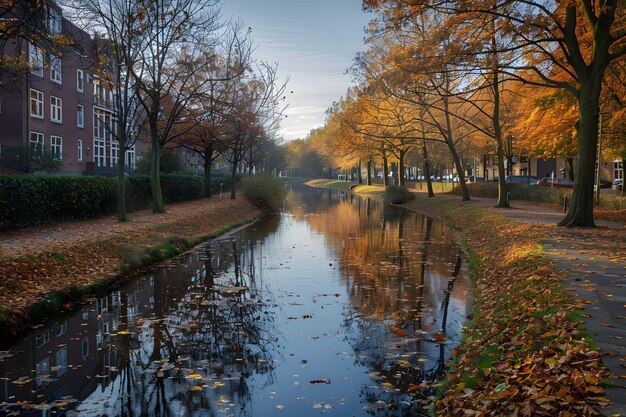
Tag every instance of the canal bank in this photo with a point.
(526, 351)
(338, 305)
(48, 269)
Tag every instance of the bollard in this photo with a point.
(221, 189)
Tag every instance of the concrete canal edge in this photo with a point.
(12, 323)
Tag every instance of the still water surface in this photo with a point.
(338, 306)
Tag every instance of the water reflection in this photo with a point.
(182, 339)
(340, 305)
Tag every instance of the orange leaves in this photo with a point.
(522, 356)
(400, 332)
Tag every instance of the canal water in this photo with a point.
(338, 306)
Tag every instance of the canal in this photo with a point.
(338, 306)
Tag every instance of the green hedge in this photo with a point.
(540, 194)
(32, 200)
(394, 194)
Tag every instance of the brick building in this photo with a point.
(59, 103)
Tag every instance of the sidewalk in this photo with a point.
(595, 260)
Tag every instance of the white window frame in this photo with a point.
(99, 152)
(80, 80)
(114, 158)
(56, 109)
(38, 100)
(35, 60)
(56, 146)
(38, 140)
(618, 170)
(56, 69)
(80, 116)
(80, 150)
(55, 25)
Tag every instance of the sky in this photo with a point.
(314, 43)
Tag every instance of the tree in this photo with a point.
(177, 34)
(122, 22)
(210, 110)
(567, 45)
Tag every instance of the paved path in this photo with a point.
(596, 265)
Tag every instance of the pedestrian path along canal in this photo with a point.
(338, 306)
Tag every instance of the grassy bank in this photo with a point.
(54, 276)
(525, 352)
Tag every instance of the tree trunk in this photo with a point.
(569, 167)
(401, 156)
(155, 177)
(208, 156)
(233, 176)
(429, 182)
(360, 174)
(385, 172)
(455, 156)
(121, 183)
(369, 172)
(580, 211)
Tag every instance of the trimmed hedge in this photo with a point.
(394, 194)
(266, 192)
(33, 200)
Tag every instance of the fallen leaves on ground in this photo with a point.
(523, 355)
(43, 260)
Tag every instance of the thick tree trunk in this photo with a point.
(429, 182)
(121, 183)
(385, 172)
(155, 177)
(580, 212)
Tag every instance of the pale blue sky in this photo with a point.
(314, 42)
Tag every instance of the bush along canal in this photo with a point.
(339, 305)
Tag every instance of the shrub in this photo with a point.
(32, 200)
(395, 194)
(266, 192)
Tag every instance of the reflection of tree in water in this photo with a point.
(216, 336)
(392, 326)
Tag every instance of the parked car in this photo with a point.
(617, 184)
(556, 182)
(521, 179)
(472, 178)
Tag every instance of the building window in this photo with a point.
(99, 124)
(618, 170)
(115, 153)
(130, 158)
(36, 140)
(56, 146)
(54, 21)
(99, 152)
(56, 109)
(36, 61)
(56, 69)
(80, 80)
(36, 104)
(80, 149)
(80, 116)
(98, 93)
(60, 362)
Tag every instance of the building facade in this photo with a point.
(59, 104)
